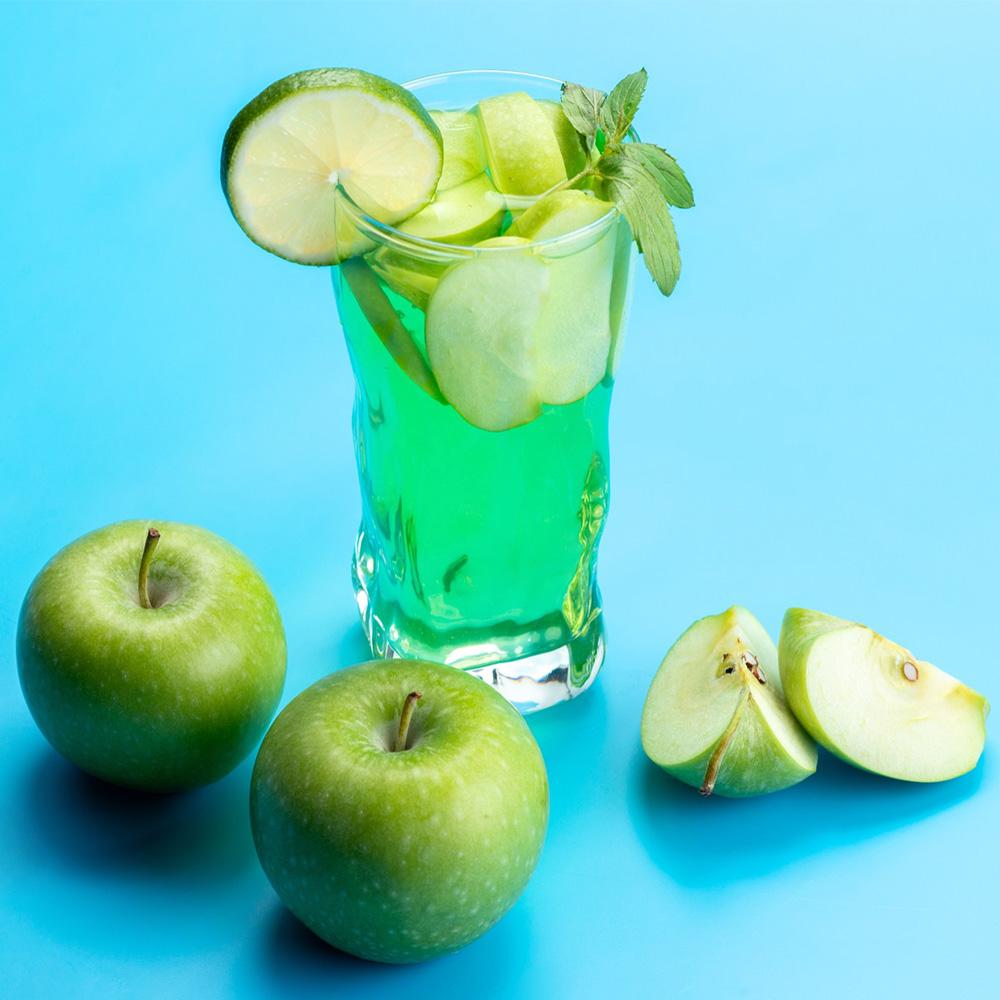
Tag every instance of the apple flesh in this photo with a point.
(160, 697)
(510, 332)
(874, 704)
(464, 156)
(523, 153)
(398, 837)
(715, 717)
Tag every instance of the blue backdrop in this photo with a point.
(811, 419)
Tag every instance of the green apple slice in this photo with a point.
(388, 327)
(874, 704)
(287, 151)
(464, 155)
(481, 323)
(463, 215)
(466, 214)
(715, 717)
(522, 150)
(574, 152)
(574, 338)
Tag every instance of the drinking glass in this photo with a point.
(478, 548)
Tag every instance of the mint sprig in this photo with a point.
(642, 179)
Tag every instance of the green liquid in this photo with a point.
(475, 546)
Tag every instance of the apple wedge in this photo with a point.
(715, 716)
(876, 705)
(464, 156)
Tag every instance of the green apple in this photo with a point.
(715, 716)
(462, 215)
(153, 669)
(521, 148)
(399, 808)
(464, 156)
(509, 333)
(876, 705)
(574, 152)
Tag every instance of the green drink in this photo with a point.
(481, 228)
(478, 547)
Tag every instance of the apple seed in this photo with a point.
(910, 671)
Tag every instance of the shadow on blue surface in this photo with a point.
(707, 843)
(76, 821)
(293, 960)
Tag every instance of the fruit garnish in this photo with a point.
(521, 148)
(464, 156)
(874, 704)
(507, 333)
(715, 716)
(287, 153)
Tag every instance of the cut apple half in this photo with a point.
(715, 716)
(874, 704)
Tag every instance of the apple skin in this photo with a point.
(161, 698)
(399, 856)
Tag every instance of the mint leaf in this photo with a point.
(637, 194)
(619, 109)
(664, 169)
(582, 106)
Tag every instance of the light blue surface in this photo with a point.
(811, 419)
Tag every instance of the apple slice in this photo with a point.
(715, 717)
(481, 327)
(575, 337)
(464, 155)
(574, 153)
(874, 704)
(463, 215)
(521, 148)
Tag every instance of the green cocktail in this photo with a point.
(481, 225)
(478, 547)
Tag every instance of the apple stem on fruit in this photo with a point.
(715, 761)
(152, 538)
(404, 721)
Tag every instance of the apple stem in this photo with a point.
(715, 761)
(152, 538)
(404, 720)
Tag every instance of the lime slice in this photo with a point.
(464, 156)
(521, 148)
(574, 153)
(481, 323)
(286, 152)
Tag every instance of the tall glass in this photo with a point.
(478, 548)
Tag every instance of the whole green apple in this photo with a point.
(399, 808)
(152, 657)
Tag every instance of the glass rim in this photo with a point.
(383, 233)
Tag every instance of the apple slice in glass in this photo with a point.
(876, 705)
(715, 716)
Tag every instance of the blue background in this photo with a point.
(811, 419)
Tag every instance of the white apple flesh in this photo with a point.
(874, 704)
(715, 717)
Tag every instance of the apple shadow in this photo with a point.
(716, 841)
(293, 961)
(78, 822)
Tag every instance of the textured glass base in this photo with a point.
(529, 682)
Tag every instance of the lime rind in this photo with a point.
(291, 153)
